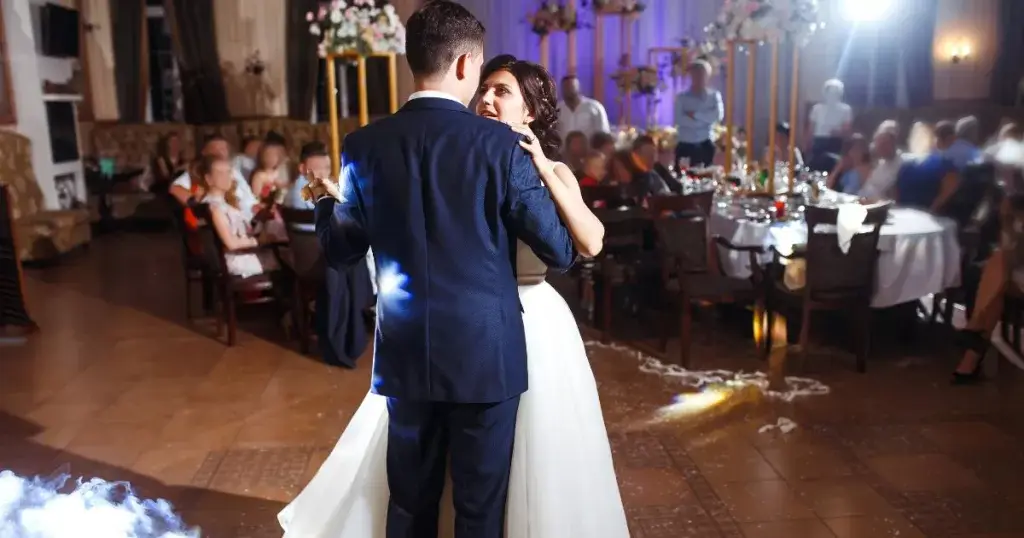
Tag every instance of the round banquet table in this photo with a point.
(919, 252)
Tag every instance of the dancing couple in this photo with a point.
(464, 212)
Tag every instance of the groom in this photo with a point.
(441, 195)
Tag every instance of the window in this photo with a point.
(164, 86)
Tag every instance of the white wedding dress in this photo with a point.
(562, 482)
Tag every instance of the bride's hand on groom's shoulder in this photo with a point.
(318, 188)
(531, 144)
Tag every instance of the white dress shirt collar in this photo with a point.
(435, 95)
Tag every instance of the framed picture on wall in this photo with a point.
(7, 115)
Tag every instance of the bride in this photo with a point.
(562, 482)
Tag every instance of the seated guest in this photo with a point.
(313, 161)
(1011, 131)
(639, 183)
(216, 146)
(782, 134)
(1002, 271)
(920, 141)
(854, 166)
(605, 143)
(168, 163)
(697, 111)
(829, 124)
(595, 169)
(959, 143)
(665, 167)
(266, 176)
(230, 223)
(574, 150)
(646, 151)
(881, 182)
(925, 182)
(245, 162)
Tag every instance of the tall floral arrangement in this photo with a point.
(625, 7)
(361, 26)
(706, 50)
(553, 17)
(765, 20)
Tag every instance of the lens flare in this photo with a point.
(391, 286)
(36, 508)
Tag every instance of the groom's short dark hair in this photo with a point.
(438, 33)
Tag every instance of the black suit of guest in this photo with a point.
(441, 195)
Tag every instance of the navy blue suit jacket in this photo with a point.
(441, 195)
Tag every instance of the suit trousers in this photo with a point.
(422, 438)
(700, 153)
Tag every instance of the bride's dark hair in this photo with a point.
(539, 95)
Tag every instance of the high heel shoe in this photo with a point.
(970, 341)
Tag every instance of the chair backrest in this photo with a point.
(306, 255)
(683, 241)
(833, 275)
(212, 247)
(975, 183)
(624, 230)
(675, 203)
(610, 196)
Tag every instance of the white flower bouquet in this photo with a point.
(360, 26)
(765, 20)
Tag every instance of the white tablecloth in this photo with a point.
(920, 254)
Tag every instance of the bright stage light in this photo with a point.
(866, 10)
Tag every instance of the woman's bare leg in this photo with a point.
(988, 307)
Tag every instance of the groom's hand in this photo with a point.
(318, 188)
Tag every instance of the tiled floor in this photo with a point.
(118, 386)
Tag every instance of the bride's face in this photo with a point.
(500, 98)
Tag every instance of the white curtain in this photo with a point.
(244, 27)
(99, 49)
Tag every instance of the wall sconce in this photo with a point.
(959, 53)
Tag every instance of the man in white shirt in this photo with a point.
(217, 146)
(579, 113)
(697, 110)
(881, 184)
(830, 123)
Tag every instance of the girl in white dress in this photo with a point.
(231, 226)
(562, 482)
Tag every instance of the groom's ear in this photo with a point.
(462, 64)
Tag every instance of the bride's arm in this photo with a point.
(585, 228)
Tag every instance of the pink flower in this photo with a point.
(309, 16)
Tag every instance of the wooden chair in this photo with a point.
(608, 196)
(626, 235)
(193, 265)
(681, 203)
(833, 280)
(687, 275)
(231, 289)
(13, 312)
(306, 262)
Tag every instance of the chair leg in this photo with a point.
(864, 347)
(937, 299)
(766, 335)
(209, 286)
(947, 312)
(231, 316)
(805, 334)
(685, 321)
(188, 298)
(301, 310)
